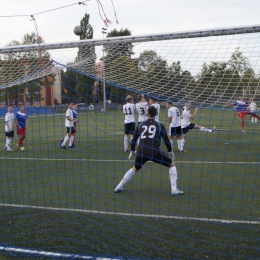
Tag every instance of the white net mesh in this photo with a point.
(210, 67)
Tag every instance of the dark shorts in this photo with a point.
(175, 131)
(186, 129)
(70, 130)
(21, 131)
(9, 134)
(159, 158)
(130, 128)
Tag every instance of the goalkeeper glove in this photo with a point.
(130, 155)
(171, 154)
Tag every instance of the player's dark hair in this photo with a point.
(152, 98)
(152, 111)
(169, 102)
(70, 102)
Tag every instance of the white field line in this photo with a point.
(133, 215)
(51, 254)
(112, 160)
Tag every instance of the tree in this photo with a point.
(113, 51)
(81, 85)
(18, 65)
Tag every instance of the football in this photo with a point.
(78, 30)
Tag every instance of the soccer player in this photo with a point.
(241, 107)
(129, 122)
(21, 123)
(174, 120)
(151, 132)
(152, 102)
(252, 108)
(74, 111)
(9, 128)
(186, 125)
(69, 123)
(141, 108)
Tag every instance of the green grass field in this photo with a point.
(63, 201)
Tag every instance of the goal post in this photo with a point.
(61, 202)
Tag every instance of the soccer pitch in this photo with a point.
(63, 200)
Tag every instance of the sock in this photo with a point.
(204, 129)
(255, 120)
(173, 178)
(182, 144)
(171, 141)
(66, 138)
(252, 119)
(127, 177)
(256, 116)
(71, 140)
(242, 125)
(7, 143)
(179, 144)
(125, 143)
(138, 141)
(21, 141)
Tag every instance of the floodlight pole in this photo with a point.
(104, 72)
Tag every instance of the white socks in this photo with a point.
(127, 177)
(65, 140)
(182, 144)
(204, 129)
(173, 178)
(179, 144)
(71, 140)
(7, 143)
(125, 143)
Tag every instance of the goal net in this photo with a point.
(61, 202)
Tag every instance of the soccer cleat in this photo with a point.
(63, 147)
(213, 129)
(243, 131)
(177, 192)
(74, 145)
(125, 151)
(184, 151)
(71, 146)
(18, 144)
(5, 147)
(22, 148)
(118, 190)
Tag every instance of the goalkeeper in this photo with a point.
(150, 133)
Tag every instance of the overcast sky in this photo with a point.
(140, 16)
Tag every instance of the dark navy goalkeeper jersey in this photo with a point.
(150, 133)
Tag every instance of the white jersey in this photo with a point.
(185, 118)
(9, 117)
(129, 111)
(69, 113)
(252, 106)
(141, 108)
(157, 106)
(174, 113)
